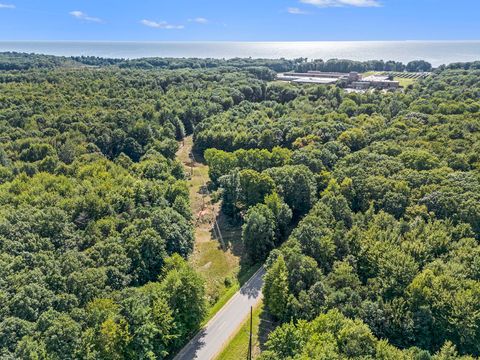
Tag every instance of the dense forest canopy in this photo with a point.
(95, 221)
(365, 206)
(390, 184)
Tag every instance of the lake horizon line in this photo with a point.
(243, 41)
(437, 52)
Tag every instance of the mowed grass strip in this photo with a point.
(241, 279)
(262, 325)
(237, 348)
(220, 267)
(404, 82)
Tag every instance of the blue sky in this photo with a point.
(239, 20)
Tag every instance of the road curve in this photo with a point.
(224, 325)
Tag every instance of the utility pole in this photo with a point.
(250, 357)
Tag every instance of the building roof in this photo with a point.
(375, 78)
(315, 80)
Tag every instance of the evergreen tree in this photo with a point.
(276, 288)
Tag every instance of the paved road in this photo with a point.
(224, 325)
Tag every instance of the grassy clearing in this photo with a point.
(229, 292)
(405, 82)
(238, 346)
(370, 73)
(221, 267)
(216, 266)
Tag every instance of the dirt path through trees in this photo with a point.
(219, 265)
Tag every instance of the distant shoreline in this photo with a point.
(237, 41)
(435, 51)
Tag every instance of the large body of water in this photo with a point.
(436, 52)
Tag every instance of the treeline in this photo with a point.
(280, 65)
(390, 243)
(346, 66)
(465, 65)
(96, 60)
(22, 61)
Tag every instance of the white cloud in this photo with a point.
(82, 16)
(296, 11)
(199, 20)
(342, 3)
(161, 25)
(7, 6)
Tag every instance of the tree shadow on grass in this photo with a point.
(230, 230)
(231, 234)
(266, 326)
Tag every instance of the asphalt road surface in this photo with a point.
(224, 325)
